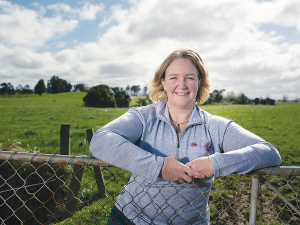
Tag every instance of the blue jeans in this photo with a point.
(116, 217)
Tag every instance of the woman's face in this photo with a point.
(181, 83)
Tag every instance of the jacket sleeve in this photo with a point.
(242, 152)
(114, 144)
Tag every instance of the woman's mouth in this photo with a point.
(182, 93)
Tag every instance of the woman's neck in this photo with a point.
(180, 115)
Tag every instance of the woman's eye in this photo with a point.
(191, 78)
(172, 78)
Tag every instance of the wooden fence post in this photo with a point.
(97, 171)
(65, 134)
(73, 192)
(65, 131)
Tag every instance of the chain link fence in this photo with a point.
(62, 189)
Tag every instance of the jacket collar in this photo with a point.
(163, 114)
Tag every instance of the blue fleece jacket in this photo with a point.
(139, 140)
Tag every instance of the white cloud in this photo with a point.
(61, 44)
(227, 34)
(21, 26)
(86, 12)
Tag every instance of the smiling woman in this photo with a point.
(174, 149)
(181, 83)
(158, 93)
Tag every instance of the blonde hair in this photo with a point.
(156, 89)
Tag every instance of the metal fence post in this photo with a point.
(97, 171)
(254, 198)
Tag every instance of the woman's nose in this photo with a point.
(182, 84)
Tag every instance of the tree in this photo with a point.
(242, 99)
(3, 89)
(80, 88)
(10, 89)
(58, 85)
(215, 96)
(285, 98)
(123, 98)
(26, 90)
(19, 89)
(145, 90)
(7, 88)
(219, 97)
(40, 87)
(128, 88)
(135, 89)
(100, 96)
(148, 99)
(230, 96)
(115, 89)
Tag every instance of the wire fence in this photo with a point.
(61, 189)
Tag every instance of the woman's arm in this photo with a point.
(114, 144)
(243, 152)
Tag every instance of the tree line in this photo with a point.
(217, 97)
(54, 85)
(8, 88)
(57, 85)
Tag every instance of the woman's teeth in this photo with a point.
(178, 93)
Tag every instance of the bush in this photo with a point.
(100, 96)
(123, 98)
(141, 101)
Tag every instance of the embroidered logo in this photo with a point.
(207, 147)
(194, 144)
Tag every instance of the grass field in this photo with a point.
(35, 122)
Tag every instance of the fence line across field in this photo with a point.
(90, 161)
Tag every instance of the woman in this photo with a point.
(174, 149)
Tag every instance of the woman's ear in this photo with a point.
(199, 83)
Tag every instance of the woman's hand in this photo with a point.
(202, 165)
(173, 170)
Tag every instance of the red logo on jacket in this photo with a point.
(194, 144)
(207, 147)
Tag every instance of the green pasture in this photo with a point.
(34, 122)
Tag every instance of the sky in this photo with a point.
(249, 46)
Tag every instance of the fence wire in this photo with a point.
(56, 189)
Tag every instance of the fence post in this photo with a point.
(65, 134)
(97, 171)
(254, 198)
(65, 131)
(73, 191)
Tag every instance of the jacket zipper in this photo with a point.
(177, 149)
